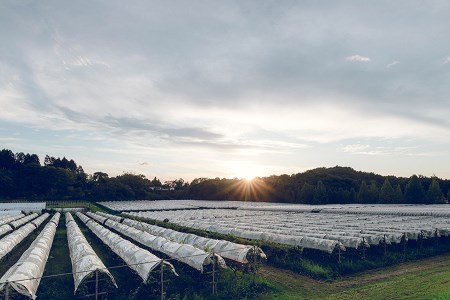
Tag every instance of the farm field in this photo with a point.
(357, 252)
(423, 279)
(186, 274)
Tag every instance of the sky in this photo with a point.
(228, 88)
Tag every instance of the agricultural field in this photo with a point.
(223, 250)
(115, 260)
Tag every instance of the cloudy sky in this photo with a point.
(228, 88)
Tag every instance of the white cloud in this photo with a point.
(447, 60)
(379, 150)
(358, 58)
(355, 148)
(83, 61)
(392, 64)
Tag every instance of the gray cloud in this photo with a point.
(127, 125)
(214, 53)
(215, 73)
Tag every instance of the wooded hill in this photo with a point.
(23, 176)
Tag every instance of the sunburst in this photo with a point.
(252, 189)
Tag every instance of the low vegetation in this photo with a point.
(423, 279)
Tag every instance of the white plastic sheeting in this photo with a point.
(20, 222)
(8, 242)
(6, 213)
(39, 220)
(5, 229)
(300, 228)
(226, 249)
(154, 205)
(138, 259)
(145, 205)
(24, 276)
(321, 244)
(84, 260)
(111, 217)
(436, 210)
(24, 206)
(184, 253)
(234, 228)
(96, 217)
(68, 209)
(9, 218)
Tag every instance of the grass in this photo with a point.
(425, 279)
(58, 262)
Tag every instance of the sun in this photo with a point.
(245, 171)
(248, 184)
(252, 188)
(247, 177)
(249, 180)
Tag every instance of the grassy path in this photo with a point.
(58, 262)
(424, 279)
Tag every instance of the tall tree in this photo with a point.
(320, 193)
(6, 183)
(49, 160)
(434, 194)
(32, 159)
(398, 195)
(374, 192)
(387, 192)
(7, 159)
(307, 193)
(363, 193)
(100, 176)
(353, 196)
(414, 192)
(156, 182)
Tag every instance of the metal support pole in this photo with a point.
(7, 292)
(96, 284)
(339, 254)
(364, 249)
(385, 246)
(162, 280)
(214, 283)
(254, 264)
(404, 247)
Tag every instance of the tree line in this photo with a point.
(22, 176)
(326, 186)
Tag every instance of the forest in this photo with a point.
(23, 176)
